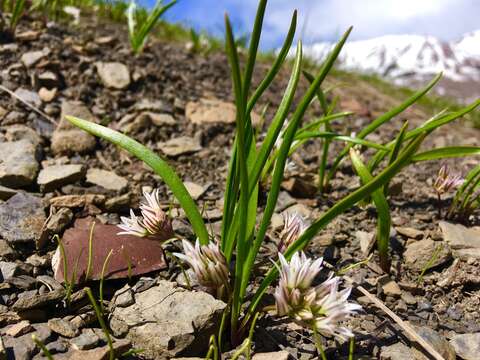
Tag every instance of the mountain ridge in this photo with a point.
(412, 59)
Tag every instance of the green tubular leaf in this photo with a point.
(278, 120)
(252, 53)
(320, 94)
(151, 20)
(288, 138)
(398, 143)
(384, 221)
(276, 65)
(447, 152)
(429, 126)
(383, 119)
(335, 136)
(314, 125)
(241, 152)
(396, 150)
(160, 167)
(341, 206)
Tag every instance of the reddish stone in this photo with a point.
(143, 255)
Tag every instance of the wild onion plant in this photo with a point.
(141, 23)
(15, 9)
(467, 197)
(241, 236)
(444, 183)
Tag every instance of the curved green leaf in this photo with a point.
(160, 167)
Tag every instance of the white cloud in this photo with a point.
(327, 19)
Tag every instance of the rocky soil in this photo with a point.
(53, 177)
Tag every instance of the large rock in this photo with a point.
(106, 179)
(18, 163)
(22, 218)
(114, 75)
(464, 242)
(207, 111)
(419, 253)
(53, 177)
(168, 321)
(467, 346)
(68, 139)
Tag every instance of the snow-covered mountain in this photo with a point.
(411, 59)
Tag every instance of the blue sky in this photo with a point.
(325, 20)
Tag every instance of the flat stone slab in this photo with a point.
(106, 179)
(22, 218)
(53, 177)
(131, 255)
(168, 321)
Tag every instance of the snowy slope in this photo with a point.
(408, 59)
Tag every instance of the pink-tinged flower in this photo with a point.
(132, 225)
(209, 265)
(322, 307)
(446, 181)
(293, 226)
(155, 220)
(153, 223)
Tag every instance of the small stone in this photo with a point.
(77, 201)
(464, 242)
(68, 139)
(106, 179)
(6, 251)
(409, 232)
(103, 353)
(113, 74)
(63, 327)
(299, 188)
(47, 95)
(31, 58)
(9, 269)
(408, 298)
(367, 241)
(118, 203)
(28, 96)
(425, 252)
(37, 260)
(207, 111)
(437, 341)
(38, 301)
(389, 287)
(53, 177)
(48, 80)
(22, 218)
(467, 346)
(124, 297)
(18, 163)
(157, 106)
(21, 328)
(195, 190)
(86, 341)
(180, 146)
(59, 220)
(155, 118)
(276, 355)
(284, 201)
(396, 351)
(57, 347)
